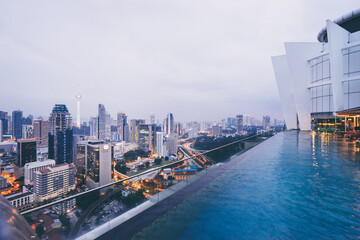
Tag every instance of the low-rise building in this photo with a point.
(54, 181)
(22, 201)
(31, 168)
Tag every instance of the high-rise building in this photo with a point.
(239, 123)
(92, 125)
(107, 126)
(1, 130)
(266, 123)
(98, 164)
(17, 124)
(123, 127)
(161, 148)
(26, 151)
(32, 167)
(135, 129)
(27, 131)
(152, 118)
(41, 132)
(78, 98)
(172, 144)
(54, 181)
(101, 122)
(60, 135)
(169, 124)
(5, 123)
(216, 131)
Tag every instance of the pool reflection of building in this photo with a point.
(319, 82)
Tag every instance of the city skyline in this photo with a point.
(198, 67)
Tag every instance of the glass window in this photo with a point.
(354, 63)
(319, 70)
(319, 91)
(326, 90)
(354, 100)
(346, 87)
(354, 86)
(326, 104)
(319, 104)
(313, 104)
(326, 69)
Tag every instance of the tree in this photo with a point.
(121, 168)
(166, 158)
(147, 164)
(158, 161)
(39, 230)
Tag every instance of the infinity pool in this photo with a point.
(296, 185)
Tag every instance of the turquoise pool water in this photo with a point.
(296, 185)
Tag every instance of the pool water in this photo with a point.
(296, 185)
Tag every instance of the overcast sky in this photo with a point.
(201, 60)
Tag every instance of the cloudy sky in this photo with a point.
(201, 60)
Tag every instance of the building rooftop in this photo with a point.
(349, 21)
(17, 195)
(60, 108)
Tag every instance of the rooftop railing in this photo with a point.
(107, 206)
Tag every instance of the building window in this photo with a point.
(351, 94)
(321, 99)
(351, 59)
(320, 69)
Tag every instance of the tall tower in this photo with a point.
(101, 122)
(17, 124)
(60, 135)
(169, 124)
(78, 98)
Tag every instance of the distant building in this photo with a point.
(101, 123)
(1, 130)
(41, 132)
(266, 123)
(161, 148)
(31, 168)
(172, 144)
(152, 118)
(123, 127)
(216, 131)
(26, 149)
(3, 182)
(98, 164)
(54, 181)
(27, 131)
(60, 135)
(239, 123)
(135, 129)
(5, 124)
(17, 124)
(169, 124)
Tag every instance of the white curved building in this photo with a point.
(319, 82)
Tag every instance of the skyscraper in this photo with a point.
(41, 132)
(98, 163)
(101, 122)
(135, 129)
(169, 124)
(1, 130)
(4, 119)
(60, 135)
(266, 122)
(152, 118)
(17, 124)
(239, 123)
(123, 127)
(78, 98)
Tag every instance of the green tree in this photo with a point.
(157, 161)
